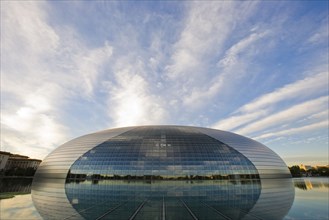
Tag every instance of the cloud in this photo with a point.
(228, 68)
(132, 85)
(321, 115)
(264, 104)
(137, 80)
(88, 64)
(29, 98)
(236, 121)
(130, 101)
(320, 35)
(312, 84)
(291, 114)
(192, 67)
(232, 54)
(42, 69)
(201, 34)
(318, 125)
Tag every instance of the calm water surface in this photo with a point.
(310, 199)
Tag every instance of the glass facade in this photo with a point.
(163, 154)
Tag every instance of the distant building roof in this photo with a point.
(18, 156)
(5, 153)
(23, 159)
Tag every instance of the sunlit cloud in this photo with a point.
(131, 102)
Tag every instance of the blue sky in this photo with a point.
(256, 68)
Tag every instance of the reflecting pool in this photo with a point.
(16, 201)
(311, 199)
(302, 198)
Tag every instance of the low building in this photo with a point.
(10, 161)
(4, 156)
(23, 163)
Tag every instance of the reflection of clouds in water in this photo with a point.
(19, 207)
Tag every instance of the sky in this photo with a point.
(255, 68)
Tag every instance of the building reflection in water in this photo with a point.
(307, 184)
(163, 199)
(21, 185)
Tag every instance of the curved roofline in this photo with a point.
(269, 166)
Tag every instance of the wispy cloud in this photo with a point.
(264, 105)
(202, 34)
(192, 66)
(231, 55)
(227, 68)
(312, 84)
(320, 35)
(235, 121)
(287, 115)
(318, 125)
(321, 115)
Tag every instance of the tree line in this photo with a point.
(296, 171)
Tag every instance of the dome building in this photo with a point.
(156, 166)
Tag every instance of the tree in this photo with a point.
(295, 171)
(323, 171)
